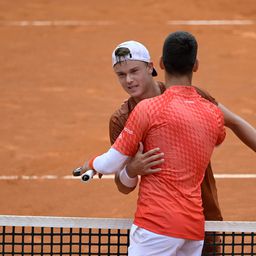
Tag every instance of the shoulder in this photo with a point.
(206, 95)
(124, 110)
(161, 86)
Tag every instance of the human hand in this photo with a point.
(78, 171)
(143, 163)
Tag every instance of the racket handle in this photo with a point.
(87, 176)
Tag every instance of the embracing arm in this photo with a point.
(110, 162)
(242, 129)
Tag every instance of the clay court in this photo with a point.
(58, 91)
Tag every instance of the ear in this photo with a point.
(161, 63)
(196, 66)
(150, 66)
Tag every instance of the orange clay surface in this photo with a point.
(58, 90)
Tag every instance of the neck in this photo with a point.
(153, 90)
(183, 80)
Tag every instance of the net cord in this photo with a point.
(111, 223)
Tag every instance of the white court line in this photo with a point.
(210, 22)
(68, 23)
(70, 177)
(55, 23)
(235, 176)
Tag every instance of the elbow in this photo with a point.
(125, 190)
(122, 188)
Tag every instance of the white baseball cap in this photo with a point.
(137, 51)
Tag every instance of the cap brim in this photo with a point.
(154, 73)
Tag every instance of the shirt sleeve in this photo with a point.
(110, 162)
(134, 131)
(206, 95)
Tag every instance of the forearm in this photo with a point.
(245, 132)
(242, 129)
(121, 187)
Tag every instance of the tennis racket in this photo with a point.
(85, 177)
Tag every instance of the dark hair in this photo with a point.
(179, 53)
(121, 53)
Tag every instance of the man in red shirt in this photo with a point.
(170, 140)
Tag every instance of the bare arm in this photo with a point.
(242, 129)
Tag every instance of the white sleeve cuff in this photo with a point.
(126, 180)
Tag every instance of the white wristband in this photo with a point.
(126, 180)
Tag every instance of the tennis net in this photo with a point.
(34, 235)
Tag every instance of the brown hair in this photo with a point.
(121, 53)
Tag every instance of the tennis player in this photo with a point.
(169, 219)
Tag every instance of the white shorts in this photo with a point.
(147, 243)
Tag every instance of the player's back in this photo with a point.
(186, 128)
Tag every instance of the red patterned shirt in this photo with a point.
(186, 127)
